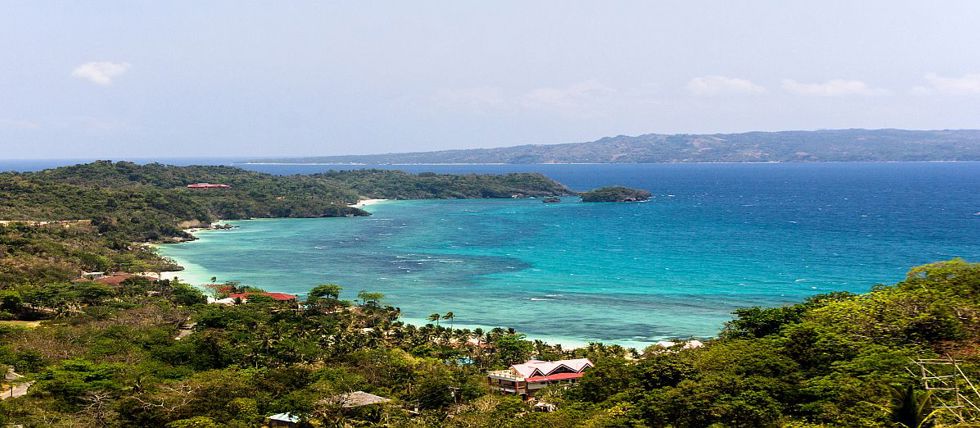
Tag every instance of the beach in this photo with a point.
(367, 202)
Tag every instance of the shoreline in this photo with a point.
(194, 275)
(197, 276)
(367, 202)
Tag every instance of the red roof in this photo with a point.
(117, 278)
(275, 296)
(559, 376)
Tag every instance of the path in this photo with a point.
(17, 390)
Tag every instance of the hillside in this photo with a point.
(150, 202)
(846, 145)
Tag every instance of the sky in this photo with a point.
(143, 79)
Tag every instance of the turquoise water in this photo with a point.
(715, 238)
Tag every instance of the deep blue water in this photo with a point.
(716, 237)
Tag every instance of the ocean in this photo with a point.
(716, 237)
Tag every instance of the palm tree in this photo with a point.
(911, 408)
(434, 317)
(449, 316)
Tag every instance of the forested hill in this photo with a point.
(846, 145)
(147, 202)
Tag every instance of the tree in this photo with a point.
(512, 348)
(370, 298)
(434, 317)
(324, 295)
(449, 316)
(328, 291)
(187, 295)
(911, 408)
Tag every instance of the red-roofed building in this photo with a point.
(208, 186)
(525, 379)
(282, 297)
(118, 278)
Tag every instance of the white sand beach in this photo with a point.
(365, 202)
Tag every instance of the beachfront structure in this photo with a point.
(282, 297)
(283, 420)
(236, 298)
(208, 186)
(114, 279)
(525, 379)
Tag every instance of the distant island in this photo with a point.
(615, 194)
(844, 145)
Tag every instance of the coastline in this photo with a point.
(197, 275)
(367, 202)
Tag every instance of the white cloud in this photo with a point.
(831, 88)
(478, 99)
(968, 84)
(100, 72)
(579, 99)
(707, 86)
(585, 99)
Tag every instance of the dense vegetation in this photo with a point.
(153, 353)
(151, 202)
(615, 194)
(836, 360)
(840, 145)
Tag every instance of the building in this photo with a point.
(236, 298)
(114, 279)
(525, 379)
(283, 420)
(281, 297)
(92, 276)
(208, 186)
(356, 399)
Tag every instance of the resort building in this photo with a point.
(208, 186)
(283, 420)
(236, 298)
(282, 297)
(525, 379)
(356, 399)
(114, 279)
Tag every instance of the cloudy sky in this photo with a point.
(143, 79)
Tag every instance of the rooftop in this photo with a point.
(358, 399)
(545, 368)
(282, 297)
(540, 371)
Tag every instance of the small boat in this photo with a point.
(551, 200)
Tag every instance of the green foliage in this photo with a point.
(615, 194)
(195, 422)
(187, 295)
(71, 380)
(512, 348)
(107, 355)
(370, 298)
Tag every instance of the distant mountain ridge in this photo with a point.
(842, 145)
